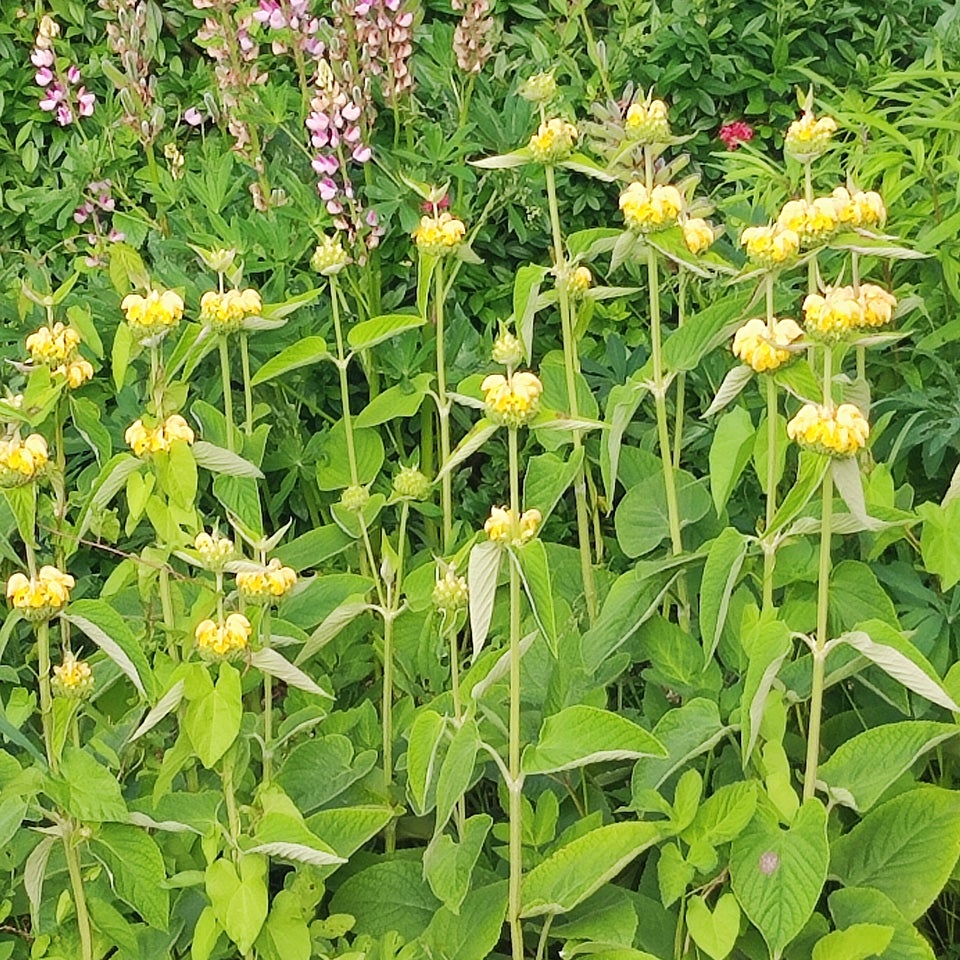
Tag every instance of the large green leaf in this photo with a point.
(853, 905)
(852, 776)
(714, 931)
(239, 900)
(582, 866)
(720, 574)
(136, 870)
(474, 931)
(778, 875)
(400, 400)
(483, 570)
(546, 479)
(456, 771)
(448, 865)
(579, 735)
(906, 848)
(729, 453)
(305, 352)
(423, 758)
(318, 770)
(212, 721)
(87, 790)
(534, 572)
(368, 333)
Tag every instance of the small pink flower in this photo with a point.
(735, 133)
(361, 153)
(193, 116)
(116, 236)
(86, 102)
(64, 115)
(327, 189)
(41, 58)
(44, 77)
(73, 74)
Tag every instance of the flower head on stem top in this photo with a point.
(813, 222)
(512, 400)
(214, 550)
(268, 584)
(808, 137)
(438, 235)
(53, 345)
(410, 484)
(507, 349)
(836, 431)
(539, 88)
(648, 210)
(72, 678)
(77, 372)
(22, 461)
(504, 527)
(329, 258)
(450, 592)
(698, 235)
(144, 440)
(225, 312)
(153, 315)
(39, 598)
(648, 122)
(753, 344)
(223, 640)
(553, 141)
(860, 208)
(770, 246)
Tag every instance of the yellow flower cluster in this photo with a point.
(439, 235)
(808, 137)
(22, 460)
(502, 526)
(53, 345)
(770, 246)
(837, 431)
(77, 372)
(267, 584)
(840, 311)
(450, 592)
(512, 401)
(153, 315)
(648, 122)
(225, 312)
(813, 222)
(698, 235)
(214, 550)
(578, 281)
(222, 640)
(329, 258)
(73, 678)
(554, 141)
(756, 347)
(861, 208)
(648, 210)
(39, 598)
(143, 440)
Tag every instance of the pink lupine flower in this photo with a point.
(86, 102)
(735, 133)
(73, 74)
(192, 116)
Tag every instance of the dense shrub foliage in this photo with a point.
(478, 480)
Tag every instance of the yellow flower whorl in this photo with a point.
(648, 210)
(836, 431)
(513, 400)
(753, 344)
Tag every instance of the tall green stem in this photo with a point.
(46, 699)
(571, 369)
(387, 712)
(443, 410)
(76, 885)
(344, 382)
(681, 377)
(227, 396)
(823, 599)
(265, 641)
(769, 550)
(515, 785)
(247, 390)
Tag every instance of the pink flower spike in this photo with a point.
(351, 112)
(192, 116)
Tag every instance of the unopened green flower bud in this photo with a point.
(355, 498)
(540, 88)
(411, 484)
(329, 258)
(507, 349)
(450, 593)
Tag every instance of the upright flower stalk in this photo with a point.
(554, 141)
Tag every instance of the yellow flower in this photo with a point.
(329, 258)
(502, 526)
(554, 140)
(39, 598)
(439, 235)
(648, 210)
(833, 315)
(860, 208)
(214, 550)
(877, 305)
(813, 222)
(754, 345)
(153, 315)
(73, 678)
(808, 137)
(53, 345)
(76, 372)
(143, 439)
(22, 460)
(223, 640)
(648, 122)
(450, 592)
(697, 234)
(267, 584)
(225, 312)
(770, 246)
(579, 282)
(837, 431)
(512, 401)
